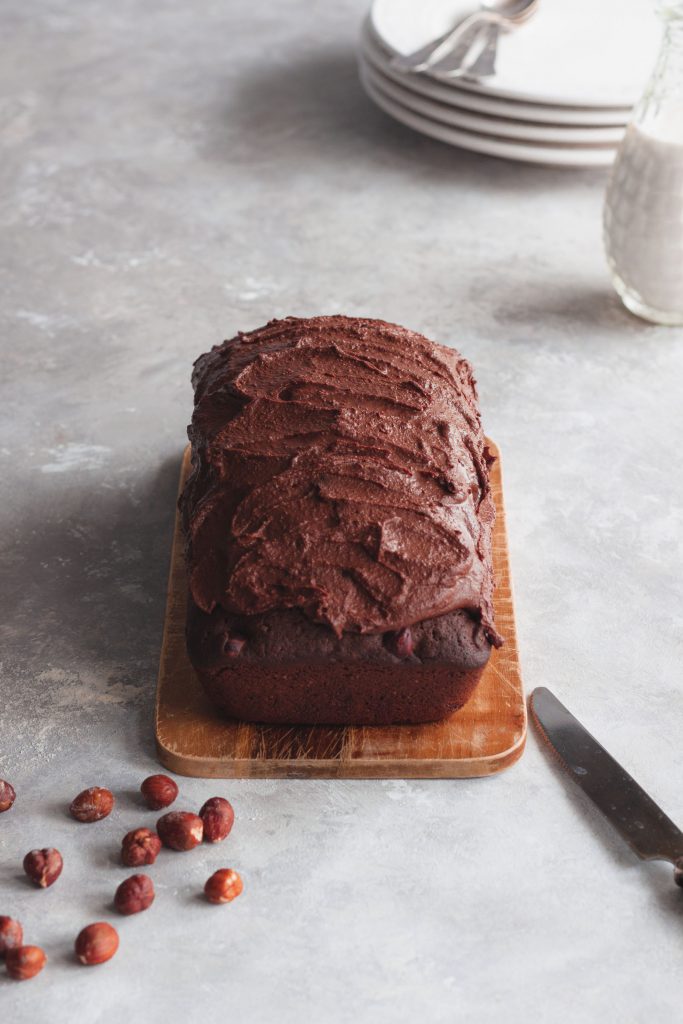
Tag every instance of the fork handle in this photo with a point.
(462, 35)
(452, 59)
(485, 64)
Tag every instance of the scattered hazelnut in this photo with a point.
(7, 795)
(134, 894)
(96, 943)
(223, 886)
(43, 866)
(25, 962)
(233, 645)
(159, 791)
(218, 817)
(180, 830)
(92, 804)
(678, 872)
(141, 846)
(11, 935)
(400, 643)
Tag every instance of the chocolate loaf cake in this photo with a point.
(338, 525)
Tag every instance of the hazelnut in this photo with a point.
(7, 795)
(11, 935)
(25, 962)
(159, 791)
(43, 866)
(400, 643)
(141, 846)
(180, 830)
(92, 804)
(223, 886)
(678, 872)
(218, 817)
(96, 943)
(134, 894)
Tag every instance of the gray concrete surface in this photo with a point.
(171, 173)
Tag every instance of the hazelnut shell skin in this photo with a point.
(134, 894)
(11, 935)
(180, 830)
(678, 872)
(139, 847)
(218, 817)
(159, 791)
(96, 943)
(92, 804)
(223, 886)
(7, 795)
(25, 962)
(43, 867)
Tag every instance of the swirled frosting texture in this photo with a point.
(339, 467)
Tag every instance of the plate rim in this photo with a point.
(512, 129)
(537, 153)
(490, 89)
(453, 94)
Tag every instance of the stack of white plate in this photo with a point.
(564, 86)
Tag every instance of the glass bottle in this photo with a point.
(643, 213)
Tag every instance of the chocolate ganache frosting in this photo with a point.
(339, 467)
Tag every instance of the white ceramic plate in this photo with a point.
(523, 131)
(452, 94)
(538, 153)
(571, 52)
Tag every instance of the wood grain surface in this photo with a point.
(484, 737)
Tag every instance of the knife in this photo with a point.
(627, 807)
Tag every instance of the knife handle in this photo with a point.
(678, 872)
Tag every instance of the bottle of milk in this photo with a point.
(643, 214)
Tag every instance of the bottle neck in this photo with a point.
(673, 34)
(671, 15)
(670, 63)
(663, 98)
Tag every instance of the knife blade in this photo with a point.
(627, 807)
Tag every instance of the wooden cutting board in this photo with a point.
(484, 737)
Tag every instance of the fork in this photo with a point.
(448, 53)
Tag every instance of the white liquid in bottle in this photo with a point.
(644, 218)
(643, 215)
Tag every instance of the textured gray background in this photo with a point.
(173, 172)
